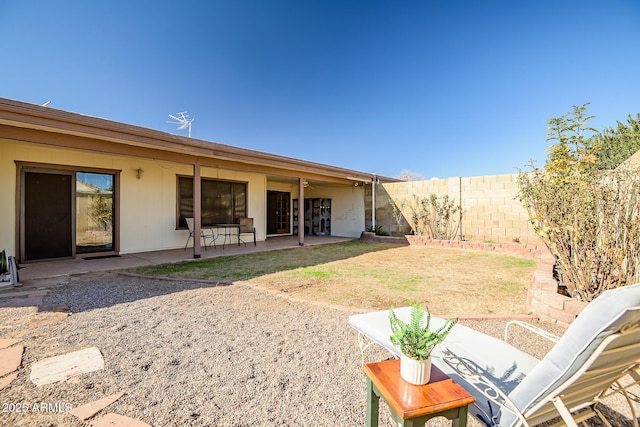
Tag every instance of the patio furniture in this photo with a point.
(414, 404)
(246, 227)
(8, 270)
(513, 388)
(203, 235)
(228, 232)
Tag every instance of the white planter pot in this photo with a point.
(415, 372)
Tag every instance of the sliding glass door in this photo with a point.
(66, 212)
(94, 212)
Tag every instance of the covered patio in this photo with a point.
(111, 188)
(36, 271)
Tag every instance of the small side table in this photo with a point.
(230, 230)
(411, 404)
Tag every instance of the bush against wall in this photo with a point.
(436, 217)
(588, 217)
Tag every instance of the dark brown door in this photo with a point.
(48, 215)
(278, 212)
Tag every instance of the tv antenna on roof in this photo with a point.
(183, 120)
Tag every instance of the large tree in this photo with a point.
(588, 216)
(615, 145)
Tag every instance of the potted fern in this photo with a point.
(416, 343)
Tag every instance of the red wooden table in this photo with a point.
(412, 404)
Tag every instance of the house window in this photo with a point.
(222, 202)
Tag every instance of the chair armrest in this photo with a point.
(529, 327)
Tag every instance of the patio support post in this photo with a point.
(301, 212)
(197, 214)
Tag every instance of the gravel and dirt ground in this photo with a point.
(199, 354)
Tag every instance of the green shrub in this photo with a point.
(588, 217)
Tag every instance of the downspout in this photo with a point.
(373, 202)
(197, 208)
(301, 212)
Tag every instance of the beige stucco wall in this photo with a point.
(147, 205)
(347, 204)
(7, 197)
(492, 211)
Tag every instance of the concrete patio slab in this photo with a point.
(33, 301)
(50, 273)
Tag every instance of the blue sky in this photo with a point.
(440, 88)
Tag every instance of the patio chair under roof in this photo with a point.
(204, 235)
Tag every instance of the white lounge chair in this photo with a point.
(513, 388)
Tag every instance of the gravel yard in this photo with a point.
(196, 354)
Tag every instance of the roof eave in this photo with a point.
(21, 114)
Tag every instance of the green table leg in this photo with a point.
(461, 421)
(373, 405)
(457, 416)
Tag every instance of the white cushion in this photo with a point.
(601, 318)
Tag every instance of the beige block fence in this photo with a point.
(492, 211)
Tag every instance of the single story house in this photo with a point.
(75, 185)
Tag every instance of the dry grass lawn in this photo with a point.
(376, 275)
(450, 281)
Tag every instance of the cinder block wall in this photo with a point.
(492, 211)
